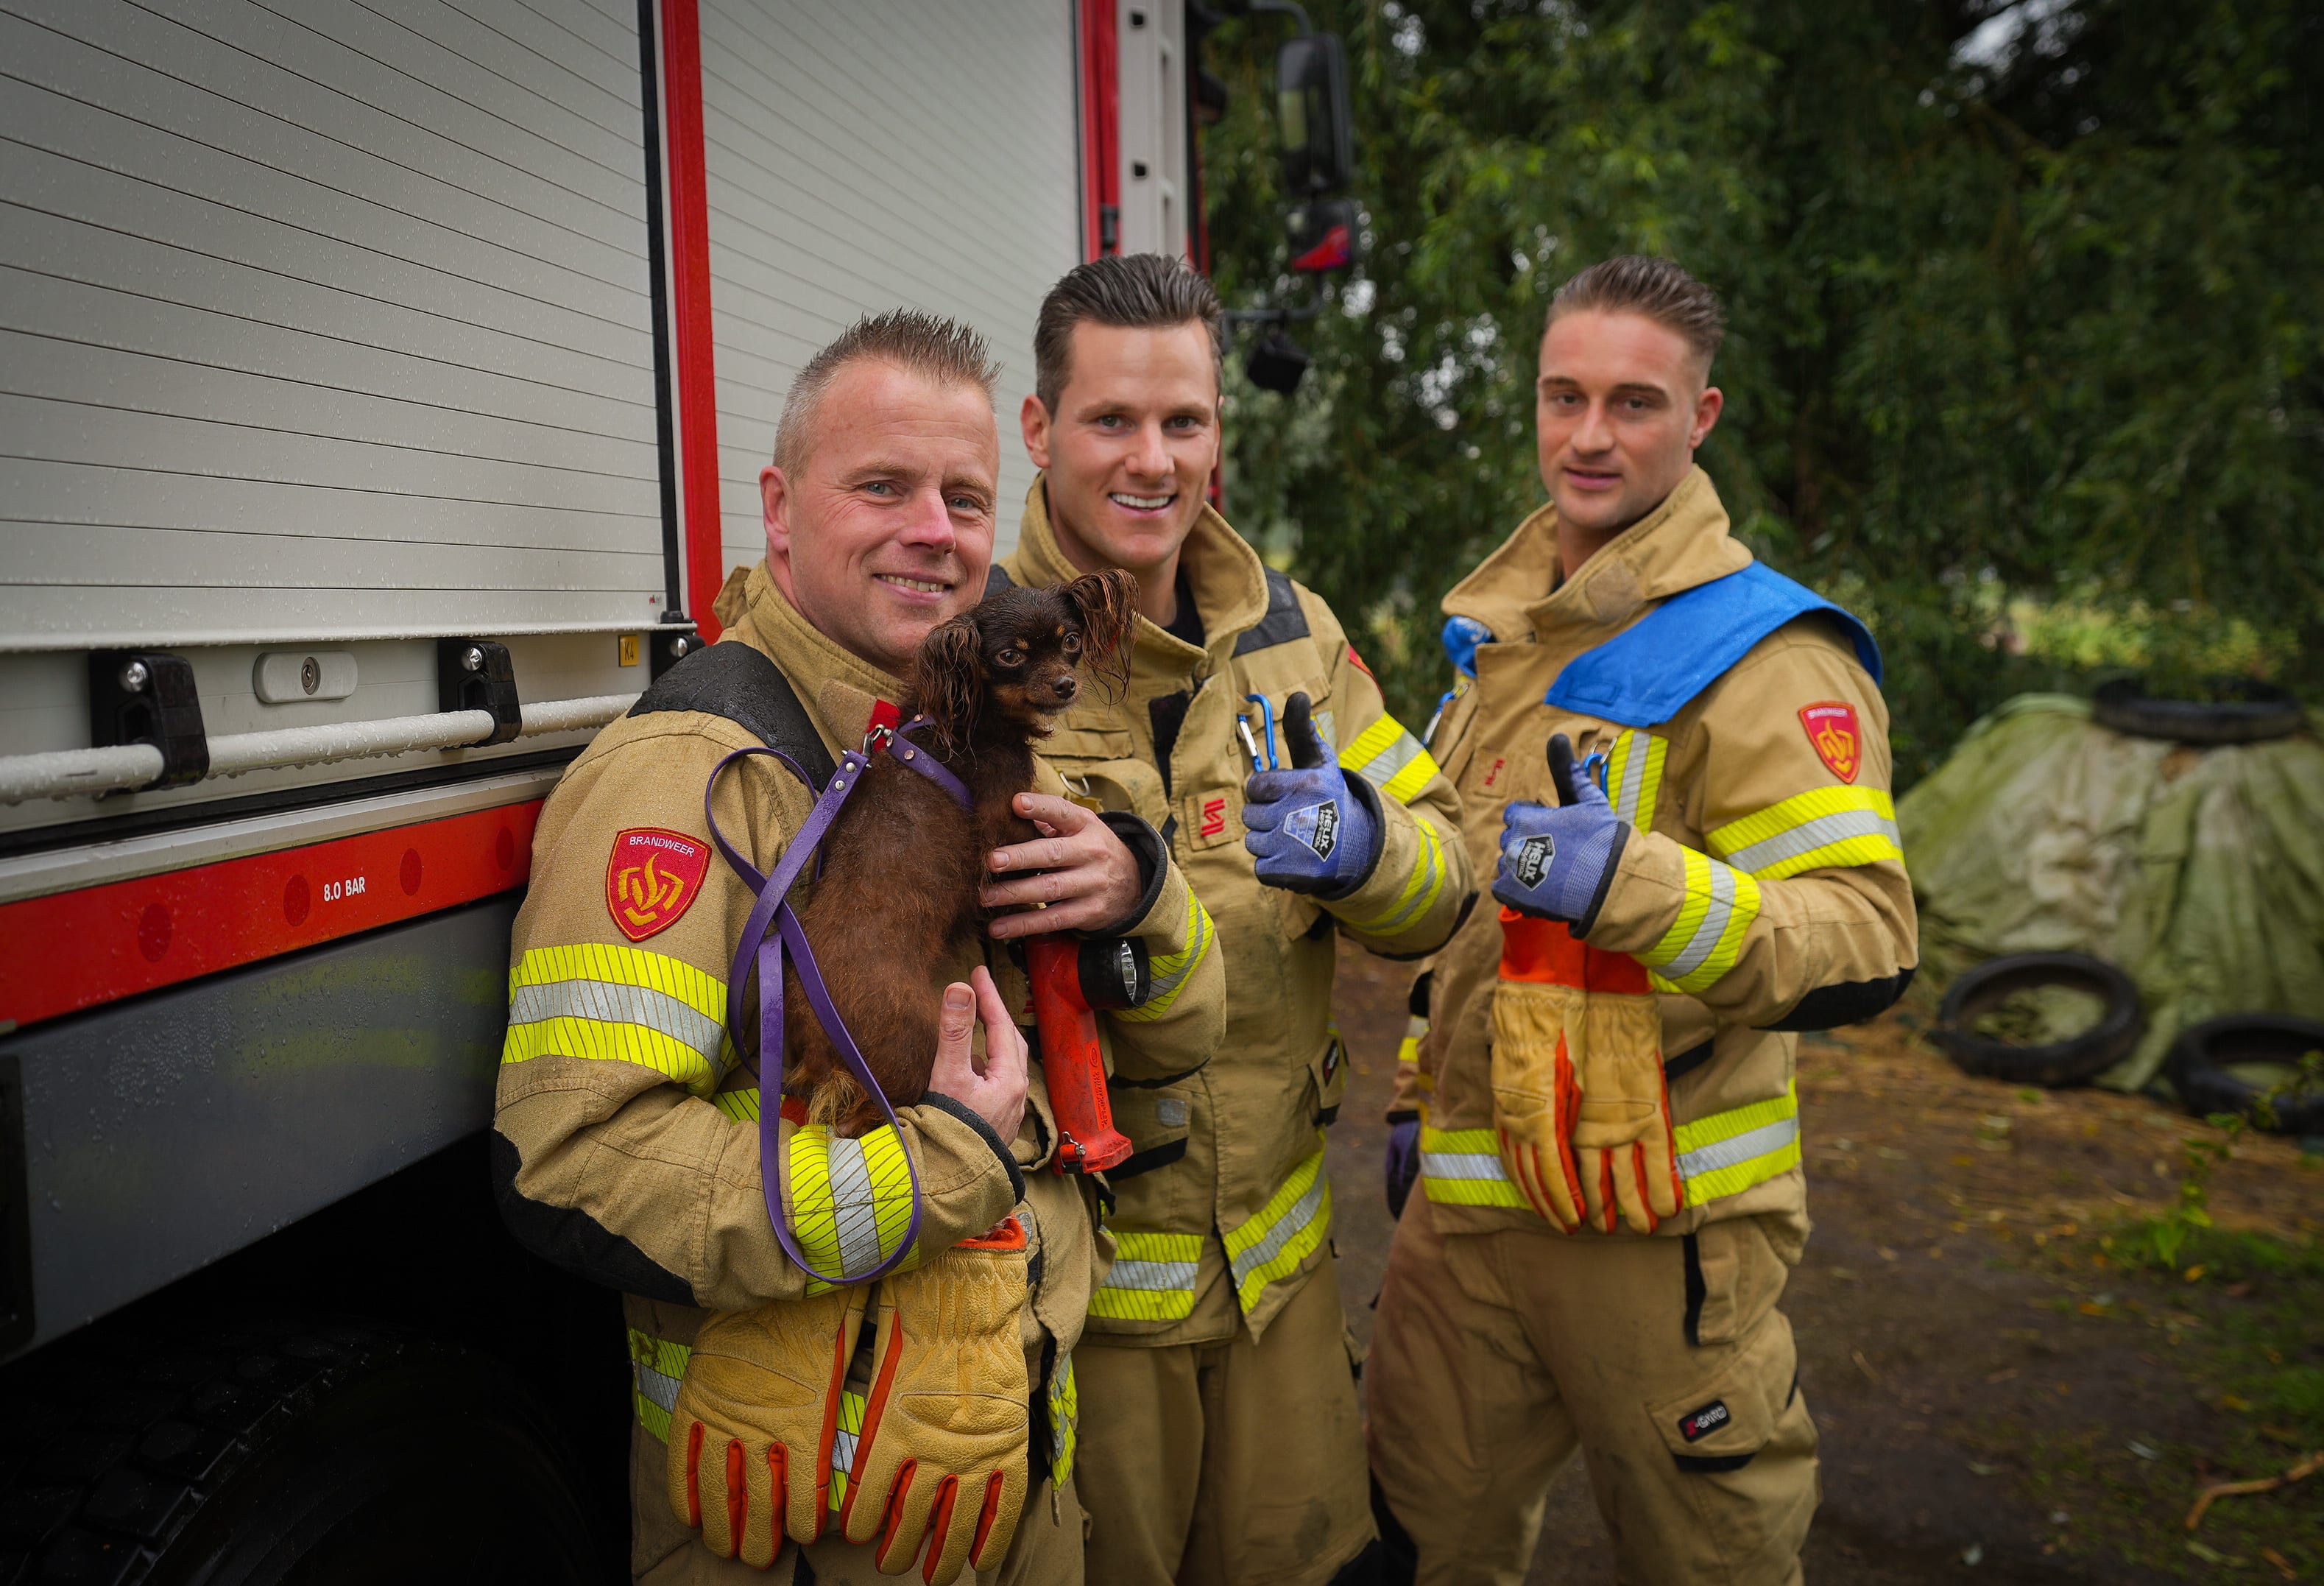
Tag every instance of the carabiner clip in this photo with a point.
(1267, 731)
(1593, 766)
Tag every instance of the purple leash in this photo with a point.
(773, 928)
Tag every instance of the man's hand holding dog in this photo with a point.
(996, 1092)
(1085, 874)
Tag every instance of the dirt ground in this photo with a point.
(2004, 1391)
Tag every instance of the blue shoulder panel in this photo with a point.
(1650, 673)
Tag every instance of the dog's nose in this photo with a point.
(1067, 686)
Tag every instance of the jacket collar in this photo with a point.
(1228, 580)
(1516, 593)
(838, 686)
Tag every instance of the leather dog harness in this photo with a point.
(773, 929)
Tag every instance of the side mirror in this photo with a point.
(1311, 98)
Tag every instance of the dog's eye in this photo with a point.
(1073, 644)
(1010, 656)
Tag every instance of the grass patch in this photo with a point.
(2236, 1314)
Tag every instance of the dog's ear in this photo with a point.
(947, 683)
(1108, 604)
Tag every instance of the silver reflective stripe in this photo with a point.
(1461, 1165)
(843, 1450)
(1824, 829)
(1196, 950)
(658, 1387)
(1713, 926)
(1401, 751)
(1741, 1148)
(854, 1213)
(1296, 1216)
(1155, 1277)
(609, 1003)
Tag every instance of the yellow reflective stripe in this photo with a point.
(1462, 1167)
(598, 1000)
(1421, 888)
(849, 1427)
(1284, 1232)
(1634, 776)
(1407, 1050)
(741, 1106)
(1152, 1278)
(1707, 937)
(1065, 1423)
(816, 1286)
(1390, 759)
(1171, 970)
(1728, 1152)
(1824, 828)
(850, 1201)
(657, 1367)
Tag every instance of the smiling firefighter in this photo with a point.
(1677, 761)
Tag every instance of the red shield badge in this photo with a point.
(652, 878)
(1831, 730)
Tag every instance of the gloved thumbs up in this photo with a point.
(1306, 829)
(1300, 737)
(1574, 786)
(1557, 863)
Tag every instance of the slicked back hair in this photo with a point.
(1133, 291)
(1656, 288)
(943, 350)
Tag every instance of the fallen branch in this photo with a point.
(2219, 1489)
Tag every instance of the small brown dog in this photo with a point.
(893, 916)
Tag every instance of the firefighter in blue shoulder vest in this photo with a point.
(1676, 762)
(1221, 1440)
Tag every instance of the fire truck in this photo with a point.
(385, 387)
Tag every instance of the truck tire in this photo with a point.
(2074, 1061)
(2199, 1058)
(280, 1453)
(2264, 711)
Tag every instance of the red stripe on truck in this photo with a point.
(689, 278)
(75, 950)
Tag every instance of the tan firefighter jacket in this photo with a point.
(1224, 1208)
(1764, 886)
(626, 1139)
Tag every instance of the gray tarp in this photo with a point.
(2200, 870)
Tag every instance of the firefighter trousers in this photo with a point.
(1663, 1360)
(1234, 1463)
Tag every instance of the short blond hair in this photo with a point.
(944, 350)
(1657, 289)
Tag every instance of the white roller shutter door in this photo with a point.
(322, 320)
(884, 153)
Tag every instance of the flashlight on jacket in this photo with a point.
(1073, 981)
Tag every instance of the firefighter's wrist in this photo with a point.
(1144, 845)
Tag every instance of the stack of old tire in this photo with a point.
(2162, 856)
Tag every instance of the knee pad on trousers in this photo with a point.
(1398, 1558)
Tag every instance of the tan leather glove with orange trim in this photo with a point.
(941, 1462)
(1580, 1105)
(751, 1433)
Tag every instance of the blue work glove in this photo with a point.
(1557, 863)
(1311, 829)
(1403, 1163)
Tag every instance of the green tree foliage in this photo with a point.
(2025, 304)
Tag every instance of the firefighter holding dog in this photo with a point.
(1221, 1440)
(929, 1417)
(1676, 762)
